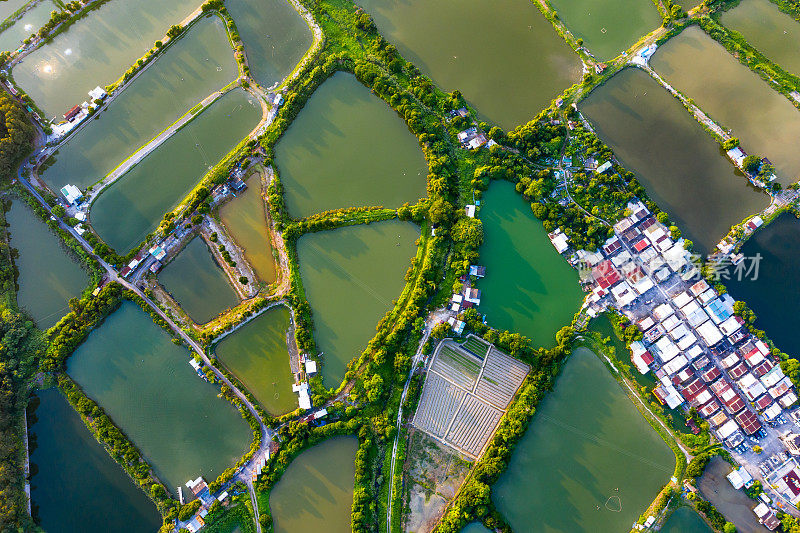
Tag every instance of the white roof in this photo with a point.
(673, 399)
(560, 242)
(662, 311)
(694, 352)
(671, 322)
(730, 326)
(761, 510)
(773, 411)
(470, 211)
(679, 332)
(686, 341)
(647, 323)
(727, 429)
(666, 349)
(699, 287)
(681, 299)
(788, 399)
(709, 332)
(605, 166)
(643, 285)
(675, 365)
(97, 93)
(739, 478)
(311, 367)
(457, 298)
(71, 193)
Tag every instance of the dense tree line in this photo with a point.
(16, 135)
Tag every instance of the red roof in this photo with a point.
(641, 245)
(720, 387)
(763, 367)
(709, 409)
(605, 274)
(734, 405)
(711, 374)
(737, 371)
(69, 115)
(763, 402)
(612, 247)
(693, 388)
(647, 357)
(748, 421)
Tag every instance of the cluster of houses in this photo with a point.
(699, 351)
(200, 490)
(79, 112)
(468, 297)
(737, 155)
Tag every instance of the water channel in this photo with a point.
(347, 148)
(685, 520)
(275, 37)
(774, 294)
(34, 18)
(132, 207)
(589, 461)
(73, 471)
(177, 421)
(316, 491)
(769, 30)
(767, 124)
(198, 283)
(528, 288)
(197, 64)
(683, 169)
(350, 276)
(608, 27)
(245, 219)
(96, 50)
(734, 504)
(509, 70)
(258, 355)
(48, 274)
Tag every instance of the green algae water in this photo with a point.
(96, 50)
(347, 148)
(608, 27)
(588, 462)
(257, 354)
(48, 275)
(475, 527)
(509, 69)
(528, 288)
(350, 276)
(767, 124)
(197, 283)
(197, 64)
(275, 37)
(176, 419)
(245, 219)
(8, 7)
(74, 471)
(769, 30)
(774, 294)
(132, 207)
(680, 165)
(685, 520)
(316, 491)
(34, 18)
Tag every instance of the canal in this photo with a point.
(48, 273)
(316, 491)
(764, 120)
(197, 64)
(589, 461)
(198, 283)
(774, 294)
(734, 504)
(257, 354)
(275, 37)
(504, 56)
(685, 520)
(94, 51)
(528, 288)
(73, 471)
(350, 276)
(246, 220)
(177, 421)
(34, 18)
(347, 148)
(609, 27)
(769, 30)
(683, 169)
(132, 207)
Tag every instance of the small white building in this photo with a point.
(739, 478)
(71, 193)
(98, 93)
(311, 367)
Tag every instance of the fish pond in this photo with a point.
(770, 284)
(683, 169)
(132, 207)
(257, 354)
(194, 66)
(588, 462)
(34, 18)
(177, 421)
(608, 27)
(91, 481)
(96, 50)
(246, 221)
(275, 37)
(769, 30)
(685, 520)
(197, 282)
(347, 148)
(49, 274)
(509, 70)
(350, 276)
(316, 491)
(528, 288)
(764, 120)
(9, 7)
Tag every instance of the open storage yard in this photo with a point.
(467, 391)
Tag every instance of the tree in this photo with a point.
(59, 211)
(751, 163)
(729, 528)
(731, 143)
(441, 330)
